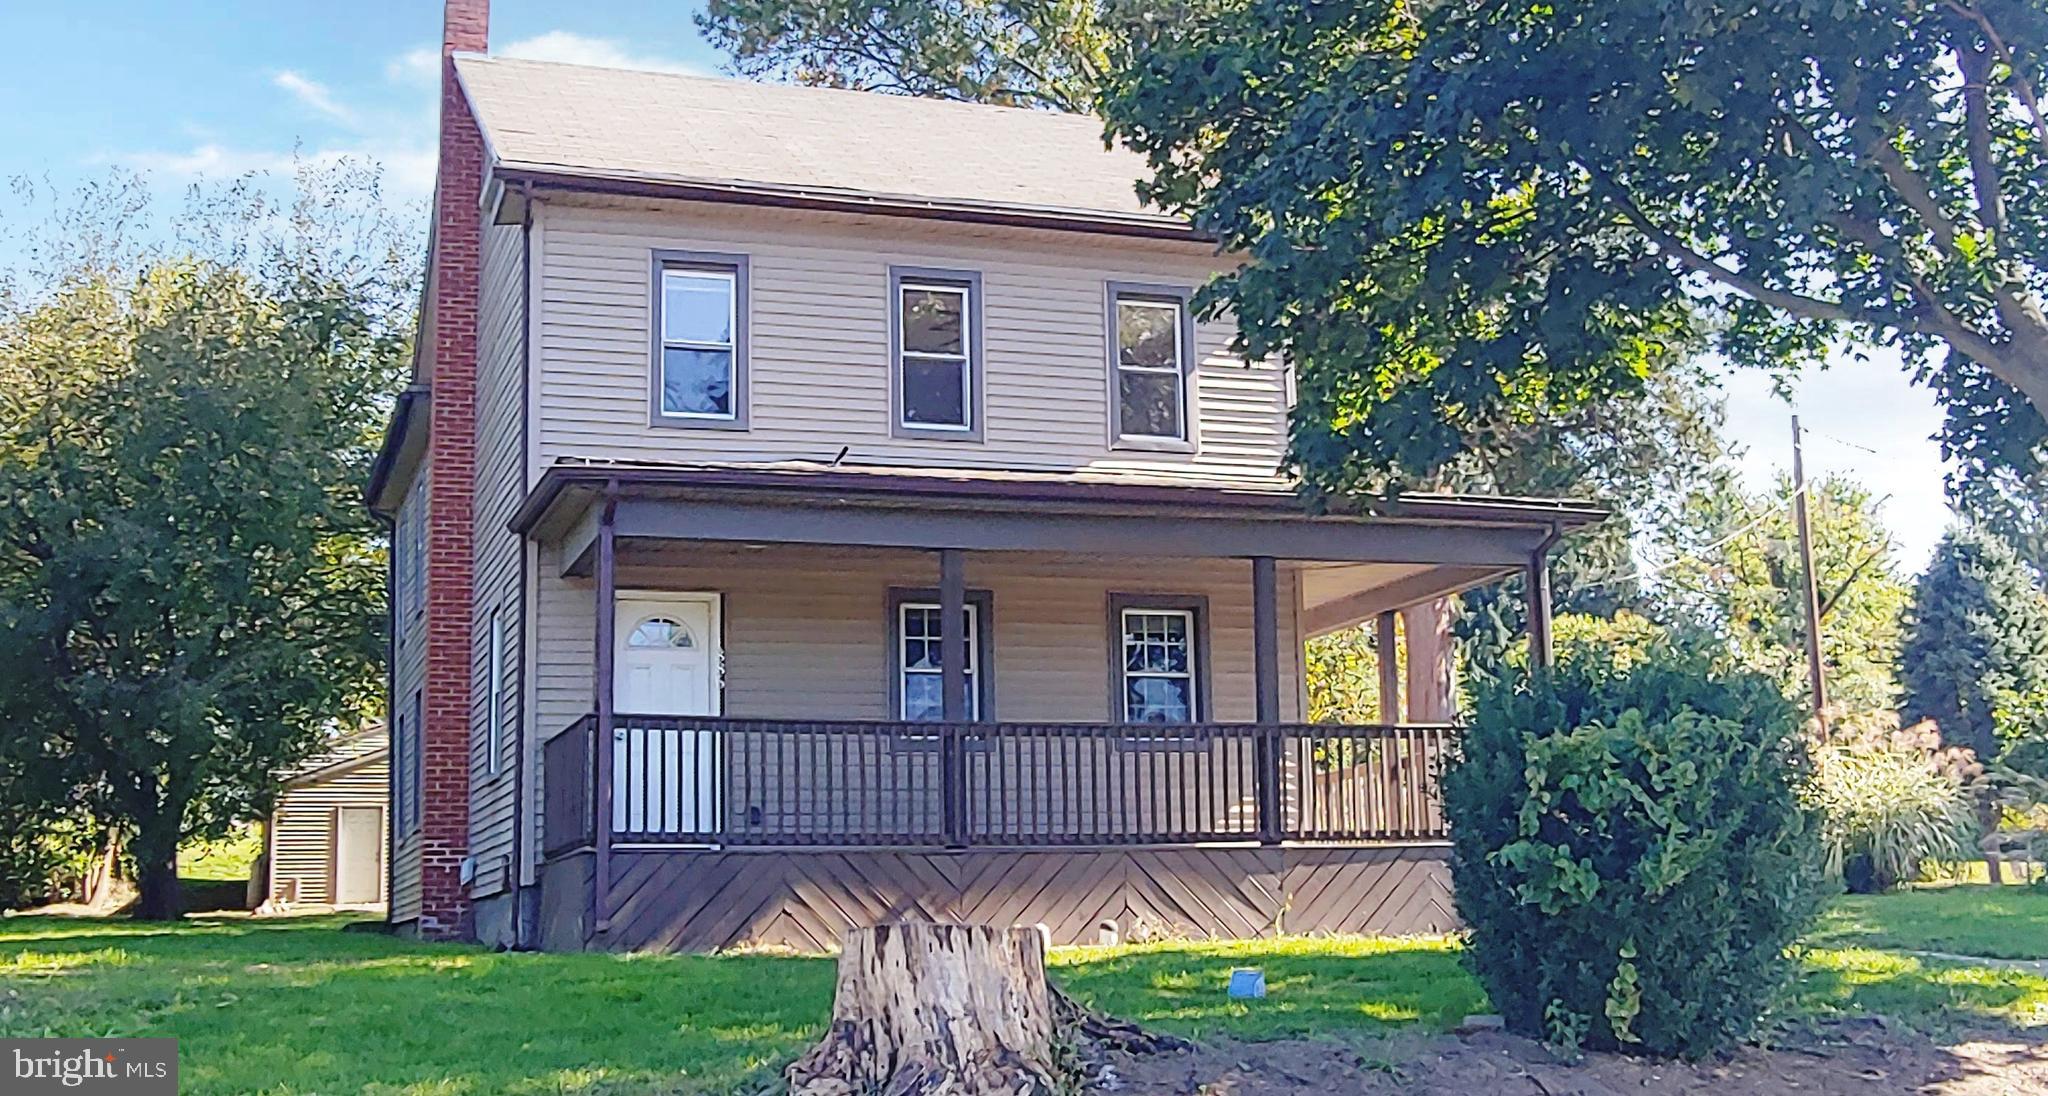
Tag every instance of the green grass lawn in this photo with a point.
(2000, 922)
(1312, 984)
(292, 1007)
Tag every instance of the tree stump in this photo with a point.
(958, 1010)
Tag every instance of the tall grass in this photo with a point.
(1887, 813)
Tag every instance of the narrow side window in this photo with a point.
(935, 351)
(1150, 337)
(494, 694)
(699, 370)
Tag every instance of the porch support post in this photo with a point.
(953, 690)
(1266, 682)
(601, 683)
(1538, 581)
(1389, 643)
(953, 634)
(1265, 641)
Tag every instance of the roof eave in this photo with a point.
(557, 177)
(404, 414)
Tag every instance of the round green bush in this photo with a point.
(1631, 853)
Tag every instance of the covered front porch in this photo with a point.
(928, 699)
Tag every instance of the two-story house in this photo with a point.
(815, 506)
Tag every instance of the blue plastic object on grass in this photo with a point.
(1247, 982)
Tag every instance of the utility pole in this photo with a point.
(1816, 672)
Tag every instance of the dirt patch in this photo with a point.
(1864, 1057)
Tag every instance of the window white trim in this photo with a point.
(729, 347)
(1176, 302)
(1190, 671)
(964, 359)
(904, 672)
(732, 269)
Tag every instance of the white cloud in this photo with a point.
(582, 49)
(396, 134)
(420, 65)
(408, 167)
(205, 161)
(316, 95)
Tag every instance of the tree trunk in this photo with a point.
(1432, 662)
(99, 889)
(156, 872)
(963, 1010)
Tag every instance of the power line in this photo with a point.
(1841, 441)
(1698, 554)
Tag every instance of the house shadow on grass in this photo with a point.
(1931, 994)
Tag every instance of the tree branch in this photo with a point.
(2022, 87)
(1934, 320)
(1912, 190)
(1941, 322)
(1975, 64)
(1812, 308)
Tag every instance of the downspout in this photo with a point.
(601, 689)
(520, 819)
(390, 524)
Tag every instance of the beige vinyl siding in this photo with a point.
(819, 363)
(408, 672)
(501, 329)
(806, 631)
(302, 827)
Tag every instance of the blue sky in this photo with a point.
(190, 91)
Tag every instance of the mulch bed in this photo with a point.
(1865, 1057)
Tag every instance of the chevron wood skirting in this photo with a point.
(706, 900)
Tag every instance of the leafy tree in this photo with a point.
(1040, 53)
(1642, 455)
(1742, 581)
(1343, 677)
(190, 589)
(1468, 214)
(1976, 640)
(2014, 507)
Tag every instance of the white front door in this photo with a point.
(665, 784)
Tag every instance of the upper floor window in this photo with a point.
(1151, 346)
(700, 366)
(935, 343)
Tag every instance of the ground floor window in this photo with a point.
(917, 672)
(1158, 660)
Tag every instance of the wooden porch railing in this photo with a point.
(737, 782)
(568, 789)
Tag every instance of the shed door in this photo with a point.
(665, 773)
(358, 849)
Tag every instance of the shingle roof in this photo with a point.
(658, 127)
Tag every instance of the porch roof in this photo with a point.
(1357, 564)
(569, 486)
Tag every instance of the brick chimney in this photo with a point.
(451, 455)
